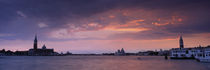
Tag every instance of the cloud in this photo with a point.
(178, 16)
(3, 35)
(42, 25)
(20, 13)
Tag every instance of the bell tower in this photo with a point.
(35, 42)
(181, 43)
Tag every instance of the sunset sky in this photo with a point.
(97, 26)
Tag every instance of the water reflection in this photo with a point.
(98, 63)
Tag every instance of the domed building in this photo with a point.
(120, 52)
(44, 51)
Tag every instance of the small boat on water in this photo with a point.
(166, 57)
(204, 56)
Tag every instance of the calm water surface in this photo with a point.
(98, 63)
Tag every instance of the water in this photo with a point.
(98, 63)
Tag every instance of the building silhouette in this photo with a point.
(35, 42)
(120, 52)
(187, 53)
(44, 51)
(181, 42)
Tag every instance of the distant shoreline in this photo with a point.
(93, 55)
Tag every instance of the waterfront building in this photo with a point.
(2, 52)
(181, 52)
(44, 51)
(186, 53)
(21, 53)
(204, 55)
(120, 52)
(35, 51)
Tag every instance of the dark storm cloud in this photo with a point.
(56, 13)
(20, 17)
(59, 8)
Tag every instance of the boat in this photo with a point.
(166, 57)
(204, 56)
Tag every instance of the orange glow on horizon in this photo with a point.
(127, 29)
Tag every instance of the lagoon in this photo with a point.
(98, 63)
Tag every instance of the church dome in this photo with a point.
(44, 47)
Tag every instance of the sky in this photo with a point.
(103, 26)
